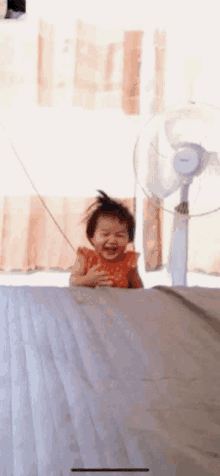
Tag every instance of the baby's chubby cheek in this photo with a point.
(98, 247)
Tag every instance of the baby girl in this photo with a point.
(110, 228)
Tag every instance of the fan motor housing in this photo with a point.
(186, 161)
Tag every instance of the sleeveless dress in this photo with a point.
(119, 271)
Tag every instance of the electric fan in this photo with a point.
(173, 149)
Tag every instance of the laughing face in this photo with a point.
(111, 238)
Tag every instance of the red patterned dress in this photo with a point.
(118, 271)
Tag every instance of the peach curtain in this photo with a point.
(153, 219)
(104, 71)
(153, 215)
(29, 238)
(3, 9)
(104, 76)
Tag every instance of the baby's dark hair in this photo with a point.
(105, 206)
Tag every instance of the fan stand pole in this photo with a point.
(178, 264)
(179, 249)
(187, 163)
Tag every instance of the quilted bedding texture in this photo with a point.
(109, 378)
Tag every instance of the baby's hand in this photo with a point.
(96, 277)
(106, 281)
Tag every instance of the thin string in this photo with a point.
(180, 209)
(25, 171)
(135, 173)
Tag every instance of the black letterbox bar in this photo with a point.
(110, 469)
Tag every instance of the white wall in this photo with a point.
(19, 54)
(68, 154)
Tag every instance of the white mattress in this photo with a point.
(108, 378)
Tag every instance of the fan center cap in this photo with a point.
(186, 161)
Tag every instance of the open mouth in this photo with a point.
(111, 251)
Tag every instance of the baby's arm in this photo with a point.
(134, 279)
(92, 278)
(78, 272)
